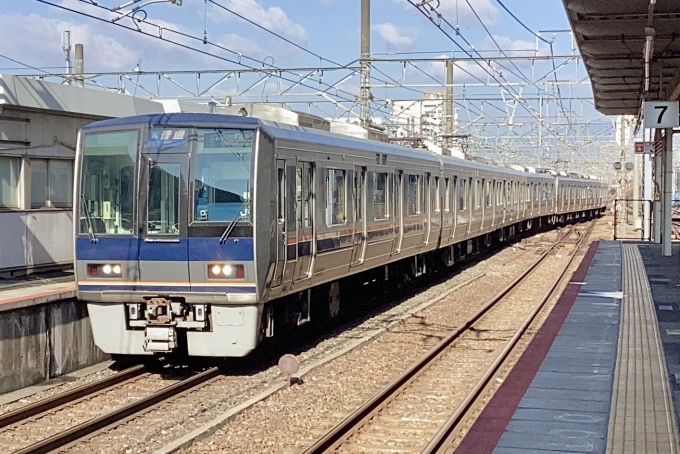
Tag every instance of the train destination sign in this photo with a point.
(661, 114)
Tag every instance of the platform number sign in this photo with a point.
(661, 114)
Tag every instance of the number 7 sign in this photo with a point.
(661, 114)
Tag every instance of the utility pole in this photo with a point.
(66, 47)
(365, 93)
(80, 66)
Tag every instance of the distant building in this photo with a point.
(421, 118)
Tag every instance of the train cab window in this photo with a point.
(462, 194)
(107, 186)
(335, 200)
(380, 197)
(222, 175)
(447, 196)
(163, 199)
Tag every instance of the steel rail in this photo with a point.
(115, 417)
(50, 404)
(341, 432)
(444, 437)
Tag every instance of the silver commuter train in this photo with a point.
(199, 233)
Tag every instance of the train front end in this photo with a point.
(164, 234)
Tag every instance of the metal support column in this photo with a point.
(636, 192)
(448, 106)
(658, 185)
(365, 94)
(647, 195)
(667, 192)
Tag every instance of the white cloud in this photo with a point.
(42, 46)
(459, 10)
(400, 38)
(516, 47)
(272, 18)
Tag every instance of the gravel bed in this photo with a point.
(79, 411)
(174, 419)
(69, 383)
(292, 419)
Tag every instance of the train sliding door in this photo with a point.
(281, 217)
(304, 197)
(163, 205)
(360, 233)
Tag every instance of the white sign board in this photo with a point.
(661, 114)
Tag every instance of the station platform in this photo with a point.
(603, 372)
(21, 293)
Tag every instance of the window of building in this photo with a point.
(335, 208)
(412, 199)
(51, 183)
(380, 197)
(9, 182)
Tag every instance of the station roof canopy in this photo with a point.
(631, 50)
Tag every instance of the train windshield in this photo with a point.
(107, 185)
(222, 189)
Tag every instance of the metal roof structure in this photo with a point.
(36, 94)
(631, 50)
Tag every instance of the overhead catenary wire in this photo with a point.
(270, 71)
(518, 98)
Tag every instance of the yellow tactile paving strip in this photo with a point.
(642, 418)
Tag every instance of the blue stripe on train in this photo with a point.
(163, 288)
(191, 249)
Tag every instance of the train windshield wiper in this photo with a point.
(241, 214)
(88, 219)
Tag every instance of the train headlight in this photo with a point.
(113, 270)
(223, 271)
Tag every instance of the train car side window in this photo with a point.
(447, 195)
(462, 194)
(412, 198)
(358, 192)
(475, 194)
(335, 202)
(437, 201)
(487, 194)
(280, 191)
(380, 196)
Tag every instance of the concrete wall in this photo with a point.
(42, 342)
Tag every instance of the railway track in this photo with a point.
(421, 410)
(70, 417)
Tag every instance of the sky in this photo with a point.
(329, 28)
(326, 33)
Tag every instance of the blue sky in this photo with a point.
(327, 27)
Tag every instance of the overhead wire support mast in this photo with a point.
(365, 94)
